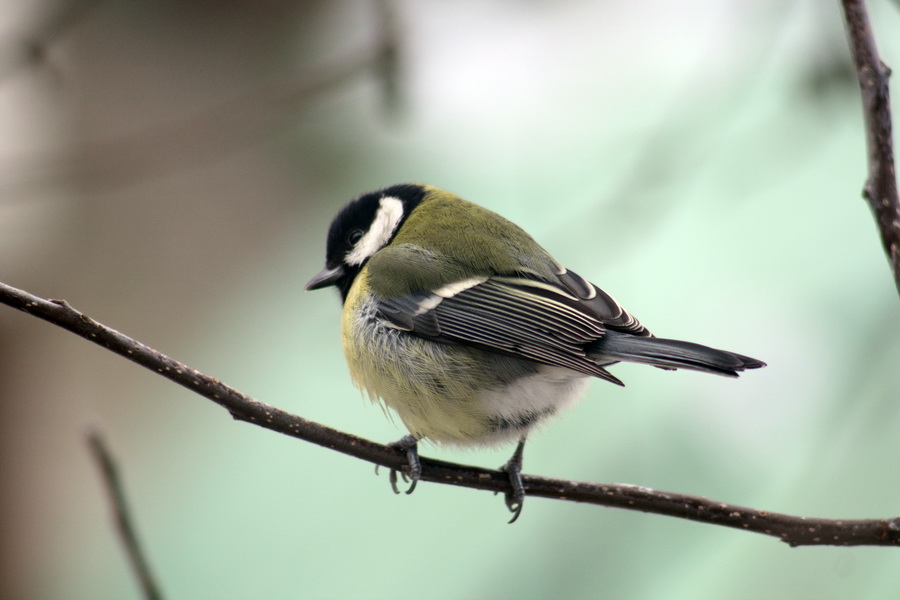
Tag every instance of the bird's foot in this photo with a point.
(408, 444)
(515, 497)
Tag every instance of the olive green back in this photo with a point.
(447, 239)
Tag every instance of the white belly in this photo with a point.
(528, 401)
(452, 394)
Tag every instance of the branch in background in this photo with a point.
(881, 185)
(123, 520)
(212, 132)
(209, 134)
(796, 531)
(32, 50)
(388, 65)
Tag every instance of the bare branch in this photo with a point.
(122, 516)
(796, 531)
(881, 185)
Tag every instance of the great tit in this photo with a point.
(470, 331)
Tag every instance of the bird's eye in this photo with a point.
(354, 236)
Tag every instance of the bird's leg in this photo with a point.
(515, 498)
(408, 444)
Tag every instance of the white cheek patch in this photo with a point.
(380, 231)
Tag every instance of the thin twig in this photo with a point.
(796, 531)
(122, 516)
(881, 185)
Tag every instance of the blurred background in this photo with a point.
(171, 169)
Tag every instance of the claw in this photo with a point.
(409, 445)
(515, 497)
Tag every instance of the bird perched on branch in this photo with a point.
(470, 331)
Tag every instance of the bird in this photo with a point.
(473, 334)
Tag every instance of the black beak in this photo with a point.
(325, 278)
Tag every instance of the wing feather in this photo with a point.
(529, 318)
(602, 304)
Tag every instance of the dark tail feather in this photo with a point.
(670, 354)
